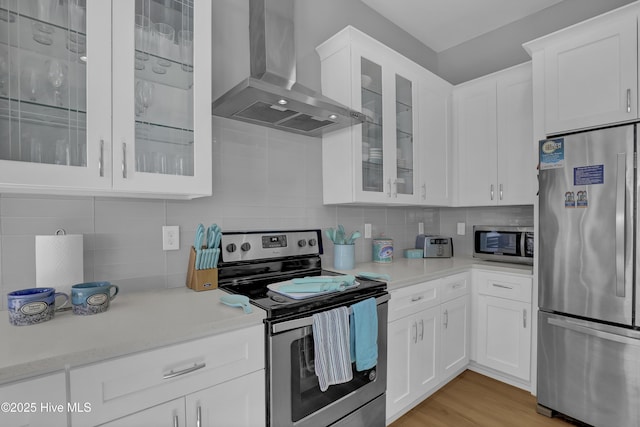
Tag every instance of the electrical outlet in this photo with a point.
(367, 231)
(461, 228)
(421, 228)
(170, 237)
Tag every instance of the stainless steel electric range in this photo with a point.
(251, 261)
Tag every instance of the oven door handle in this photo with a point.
(308, 321)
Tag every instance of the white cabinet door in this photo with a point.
(517, 159)
(436, 186)
(476, 134)
(504, 335)
(170, 414)
(412, 365)
(55, 99)
(40, 402)
(238, 403)
(591, 75)
(495, 159)
(162, 97)
(455, 335)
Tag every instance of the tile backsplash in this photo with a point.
(262, 179)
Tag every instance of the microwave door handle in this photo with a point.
(523, 241)
(620, 223)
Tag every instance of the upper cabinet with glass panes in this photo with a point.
(105, 97)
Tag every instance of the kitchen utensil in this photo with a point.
(355, 235)
(237, 301)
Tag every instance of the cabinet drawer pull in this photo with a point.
(497, 285)
(173, 374)
(628, 100)
(101, 159)
(414, 299)
(124, 160)
(456, 286)
(524, 318)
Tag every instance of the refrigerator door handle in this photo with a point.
(620, 223)
(594, 332)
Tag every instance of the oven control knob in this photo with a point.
(245, 246)
(312, 242)
(302, 243)
(372, 375)
(231, 247)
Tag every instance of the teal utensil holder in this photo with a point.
(344, 257)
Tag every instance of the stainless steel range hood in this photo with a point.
(270, 96)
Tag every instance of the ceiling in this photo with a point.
(441, 24)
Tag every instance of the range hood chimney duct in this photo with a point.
(270, 95)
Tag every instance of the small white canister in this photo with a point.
(382, 250)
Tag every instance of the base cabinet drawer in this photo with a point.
(39, 402)
(127, 385)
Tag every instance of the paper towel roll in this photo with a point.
(59, 261)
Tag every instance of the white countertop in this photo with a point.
(148, 320)
(405, 272)
(134, 322)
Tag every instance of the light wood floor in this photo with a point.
(475, 400)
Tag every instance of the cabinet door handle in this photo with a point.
(415, 330)
(389, 182)
(175, 421)
(628, 100)
(446, 319)
(524, 318)
(414, 299)
(491, 191)
(173, 374)
(124, 160)
(101, 159)
(421, 329)
(395, 188)
(497, 285)
(199, 416)
(500, 191)
(424, 191)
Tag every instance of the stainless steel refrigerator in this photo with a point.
(588, 325)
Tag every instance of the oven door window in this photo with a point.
(306, 396)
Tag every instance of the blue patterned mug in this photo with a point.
(92, 297)
(33, 305)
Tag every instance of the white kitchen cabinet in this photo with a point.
(208, 371)
(412, 361)
(493, 133)
(38, 402)
(239, 402)
(91, 104)
(503, 316)
(377, 161)
(428, 339)
(588, 73)
(455, 324)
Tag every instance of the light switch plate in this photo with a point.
(170, 237)
(367, 231)
(421, 228)
(462, 228)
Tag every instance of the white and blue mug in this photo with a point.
(33, 305)
(92, 297)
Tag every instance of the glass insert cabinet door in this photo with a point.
(404, 136)
(373, 154)
(157, 85)
(43, 93)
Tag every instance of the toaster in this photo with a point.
(435, 246)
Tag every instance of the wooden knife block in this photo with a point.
(200, 280)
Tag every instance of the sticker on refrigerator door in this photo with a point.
(588, 175)
(569, 199)
(581, 199)
(551, 153)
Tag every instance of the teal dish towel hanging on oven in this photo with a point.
(363, 325)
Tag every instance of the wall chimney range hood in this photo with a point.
(270, 96)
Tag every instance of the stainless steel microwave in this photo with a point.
(503, 243)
